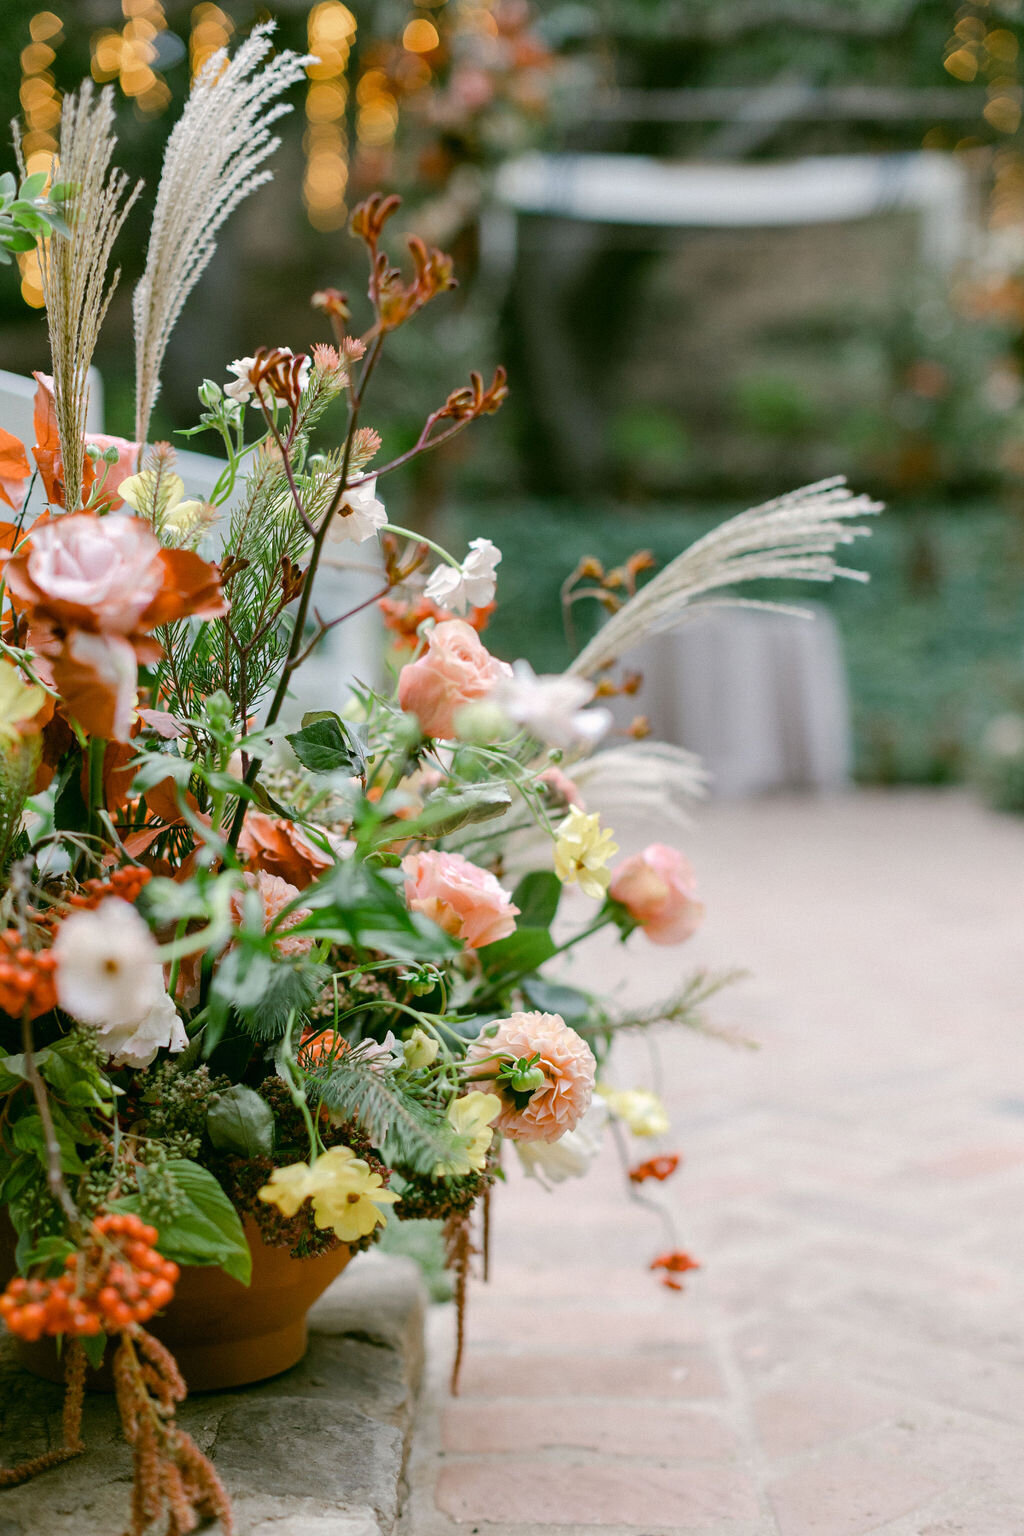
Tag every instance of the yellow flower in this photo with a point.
(347, 1195)
(582, 851)
(642, 1112)
(158, 495)
(420, 1049)
(288, 1188)
(344, 1191)
(19, 700)
(471, 1116)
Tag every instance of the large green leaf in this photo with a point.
(325, 744)
(524, 951)
(239, 1121)
(537, 896)
(29, 1135)
(206, 1230)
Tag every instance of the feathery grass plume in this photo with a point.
(795, 536)
(73, 268)
(642, 780)
(211, 164)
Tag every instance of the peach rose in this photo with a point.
(659, 890)
(94, 588)
(281, 848)
(456, 669)
(460, 897)
(275, 894)
(559, 1102)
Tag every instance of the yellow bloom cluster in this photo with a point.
(471, 1116)
(641, 1112)
(344, 1191)
(582, 851)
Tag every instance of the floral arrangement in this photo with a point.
(270, 982)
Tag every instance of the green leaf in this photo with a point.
(326, 745)
(551, 997)
(13, 1071)
(20, 240)
(29, 1136)
(206, 1231)
(8, 185)
(355, 904)
(524, 951)
(446, 810)
(78, 1086)
(51, 1251)
(32, 185)
(95, 1346)
(239, 1121)
(406, 1131)
(537, 896)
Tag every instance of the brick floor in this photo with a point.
(850, 1359)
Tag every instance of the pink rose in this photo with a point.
(659, 890)
(460, 897)
(456, 669)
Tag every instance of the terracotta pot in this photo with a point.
(222, 1333)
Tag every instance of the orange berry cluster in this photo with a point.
(26, 977)
(118, 1281)
(126, 883)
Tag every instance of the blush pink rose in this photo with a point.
(659, 890)
(275, 895)
(566, 1061)
(456, 669)
(460, 897)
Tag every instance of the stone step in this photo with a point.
(318, 1451)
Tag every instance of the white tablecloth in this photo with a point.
(760, 697)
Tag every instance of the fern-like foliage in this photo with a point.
(405, 1129)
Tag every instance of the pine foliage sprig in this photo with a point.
(407, 1131)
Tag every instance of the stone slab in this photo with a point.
(318, 1451)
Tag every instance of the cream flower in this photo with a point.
(360, 515)
(641, 1111)
(542, 1071)
(161, 1029)
(471, 1115)
(109, 975)
(19, 700)
(420, 1049)
(344, 1191)
(470, 585)
(569, 1157)
(551, 708)
(582, 851)
(242, 387)
(108, 968)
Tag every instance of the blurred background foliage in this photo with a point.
(659, 378)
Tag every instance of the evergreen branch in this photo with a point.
(403, 1128)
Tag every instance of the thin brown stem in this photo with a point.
(54, 1171)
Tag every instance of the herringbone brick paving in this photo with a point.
(850, 1360)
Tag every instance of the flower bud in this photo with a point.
(210, 394)
(480, 724)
